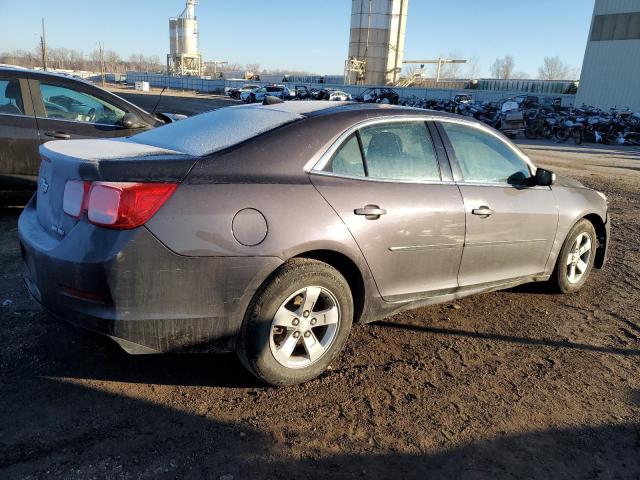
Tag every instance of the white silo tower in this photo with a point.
(184, 57)
(376, 42)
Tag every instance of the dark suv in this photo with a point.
(36, 107)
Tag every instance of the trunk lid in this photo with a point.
(117, 160)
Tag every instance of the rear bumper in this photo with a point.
(144, 296)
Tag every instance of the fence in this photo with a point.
(218, 85)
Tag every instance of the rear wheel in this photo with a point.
(576, 258)
(297, 323)
(577, 135)
(562, 134)
(531, 132)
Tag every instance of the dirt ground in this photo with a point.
(513, 384)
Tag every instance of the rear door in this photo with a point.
(511, 224)
(69, 110)
(19, 138)
(402, 208)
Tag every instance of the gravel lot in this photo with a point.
(513, 384)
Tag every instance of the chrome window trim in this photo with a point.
(17, 115)
(83, 123)
(322, 173)
(317, 166)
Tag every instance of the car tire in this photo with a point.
(531, 133)
(276, 321)
(567, 261)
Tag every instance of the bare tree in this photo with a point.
(473, 67)
(112, 61)
(253, 67)
(451, 70)
(575, 73)
(503, 67)
(553, 69)
(409, 71)
(509, 66)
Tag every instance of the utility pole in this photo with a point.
(43, 47)
(101, 49)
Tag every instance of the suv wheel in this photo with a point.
(297, 323)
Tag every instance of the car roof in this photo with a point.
(314, 108)
(222, 128)
(42, 73)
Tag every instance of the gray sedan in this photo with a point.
(270, 230)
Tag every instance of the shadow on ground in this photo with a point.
(545, 342)
(95, 433)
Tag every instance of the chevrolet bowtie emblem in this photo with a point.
(44, 186)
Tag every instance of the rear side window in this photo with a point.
(400, 151)
(11, 97)
(483, 158)
(348, 160)
(392, 151)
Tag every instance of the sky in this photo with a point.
(307, 35)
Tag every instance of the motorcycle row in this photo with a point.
(542, 118)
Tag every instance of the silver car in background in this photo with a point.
(270, 230)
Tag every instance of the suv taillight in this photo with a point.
(121, 205)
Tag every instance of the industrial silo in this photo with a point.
(376, 43)
(184, 57)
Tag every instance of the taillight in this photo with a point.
(121, 205)
(126, 205)
(75, 197)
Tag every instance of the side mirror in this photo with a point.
(545, 178)
(130, 120)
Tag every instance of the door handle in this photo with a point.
(483, 211)
(371, 212)
(59, 135)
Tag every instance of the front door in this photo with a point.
(385, 183)
(511, 224)
(19, 138)
(66, 112)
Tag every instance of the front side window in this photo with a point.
(66, 104)
(400, 151)
(10, 97)
(484, 158)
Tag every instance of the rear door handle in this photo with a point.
(371, 212)
(59, 135)
(483, 211)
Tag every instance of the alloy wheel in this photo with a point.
(304, 327)
(578, 258)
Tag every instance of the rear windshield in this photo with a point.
(216, 130)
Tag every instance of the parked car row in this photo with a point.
(250, 93)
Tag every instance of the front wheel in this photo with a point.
(576, 258)
(297, 323)
(562, 134)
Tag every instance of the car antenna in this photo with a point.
(158, 102)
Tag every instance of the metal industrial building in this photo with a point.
(611, 69)
(376, 41)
